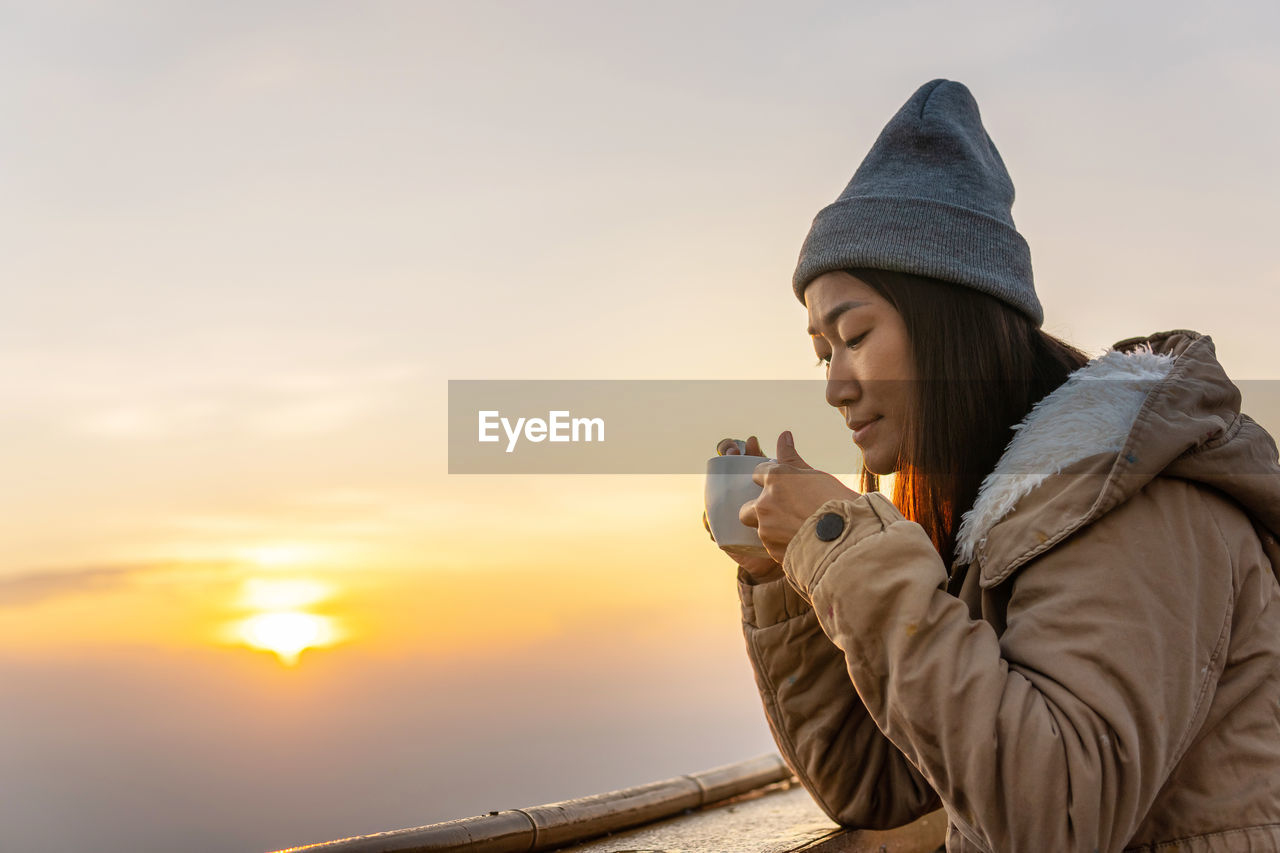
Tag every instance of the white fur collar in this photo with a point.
(1092, 412)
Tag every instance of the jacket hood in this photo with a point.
(1154, 406)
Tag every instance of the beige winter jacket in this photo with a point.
(1109, 675)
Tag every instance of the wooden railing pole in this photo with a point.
(548, 827)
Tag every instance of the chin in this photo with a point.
(878, 469)
(877, 464)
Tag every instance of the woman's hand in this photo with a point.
(761, 567)
(793, 491)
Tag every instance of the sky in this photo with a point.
(244, 248)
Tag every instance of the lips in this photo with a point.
(860, 428)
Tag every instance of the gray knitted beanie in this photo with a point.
(933, 198)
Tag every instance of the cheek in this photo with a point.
(896, 366)
(892, 367)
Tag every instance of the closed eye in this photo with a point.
(853, 345)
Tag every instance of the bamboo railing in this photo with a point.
(556, 825)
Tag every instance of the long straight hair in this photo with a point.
(981, 365)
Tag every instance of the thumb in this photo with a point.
(787, 451)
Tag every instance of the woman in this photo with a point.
(1074, 641)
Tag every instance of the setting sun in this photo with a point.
(279, 621)
(288, 634)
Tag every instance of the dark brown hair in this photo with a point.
(980, 366)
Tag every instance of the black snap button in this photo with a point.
(830, 526)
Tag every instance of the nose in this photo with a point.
(842, 388)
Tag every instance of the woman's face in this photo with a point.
(870, 372)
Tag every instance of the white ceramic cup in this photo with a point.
(729, 486)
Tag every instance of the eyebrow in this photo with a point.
(835, 312)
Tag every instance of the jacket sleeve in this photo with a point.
(1058, 734)
(821, 727)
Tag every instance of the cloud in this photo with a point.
(38, 587)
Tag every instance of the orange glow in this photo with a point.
(472, 598)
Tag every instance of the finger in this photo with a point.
(787, 451)
(753, 447)
(762, 470)
(747, 514)
(707, 524)
(728, 447)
